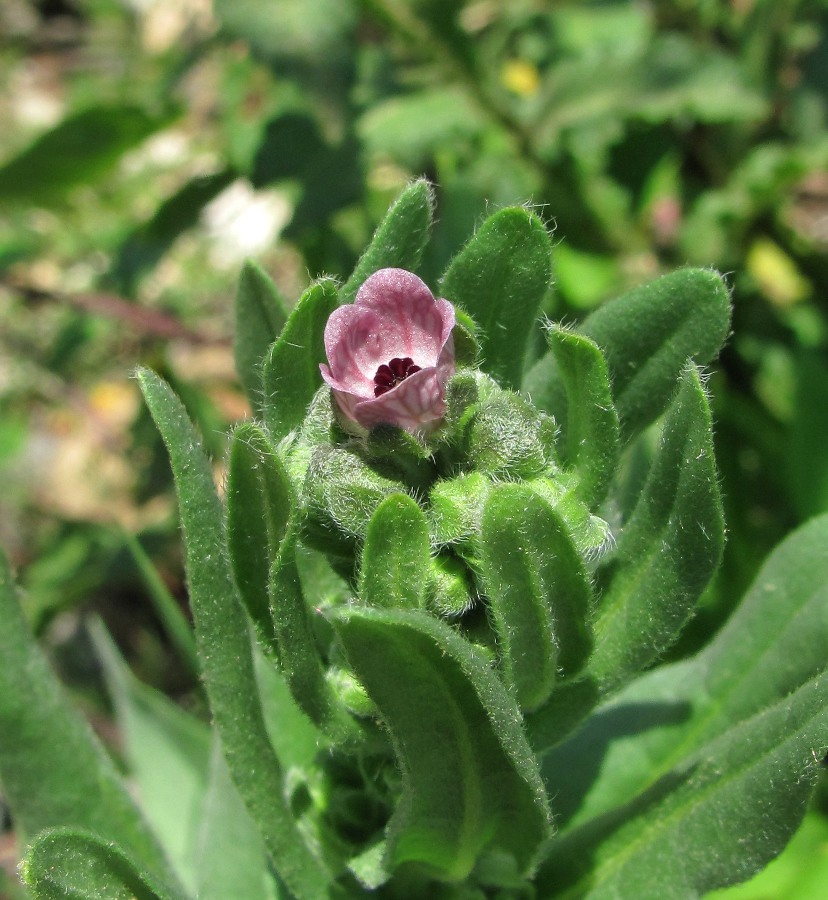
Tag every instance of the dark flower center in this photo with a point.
(391, 375)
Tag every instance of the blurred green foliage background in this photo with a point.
(150, 146)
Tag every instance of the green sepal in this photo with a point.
(352, 695)
(339, 497)
(398, 454)
(225, 649)
(450, 589)
(70, 864)
(538, 592)
(299, 658)
(461, 393)
(54, 771)
(399, 240)
(320, 428)
(455, 507)
(669, 548)
(590, 428)
(260, 500)
(647, 336)
(501, 277)
(471, 787)
(590, 533)
(467, 347)
(291, 374)
(261, 313)
(396, 555)
(504, 436)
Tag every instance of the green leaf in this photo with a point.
(299, 658)
(79, 150)
(260, 500)
(167, 751)
(224, 647)
(470, 784)
(500, 278)
(717, 816)
(396, 557)
(647, 336)
(668, 550)
(591, 428)
(538, 591)
(709, 761)
(67, 864)
(54, 772)
(261, 313)
(231, 857)
(291, 370)
(400, 239)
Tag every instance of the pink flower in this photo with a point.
(391, 352)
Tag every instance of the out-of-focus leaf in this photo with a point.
(501, 277)
(78, 150)
(807, 459)
(67, 864)
(292, 146)
(669, 77)
(231, 857)
(412, 127)
(399, 240)
(668, 550)
(290, 29)
(145, 247)
(721, 749)
(291, 370)
(175, 623)
(470, 783)
(168, 753)
(54, 772)
(224, 648)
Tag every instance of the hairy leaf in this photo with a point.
(470, 783)
(396, 555)
(592, 439)
(224, 647)
(500, 277)
(400, 239)
(668, 550)
(259, 503)
(291, 371)
(538, 591)
(54, 772)
(67, 864)
(647, 336)
(717, 751)
(261, 313)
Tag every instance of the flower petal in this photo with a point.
(411, 320)
(413, 404)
